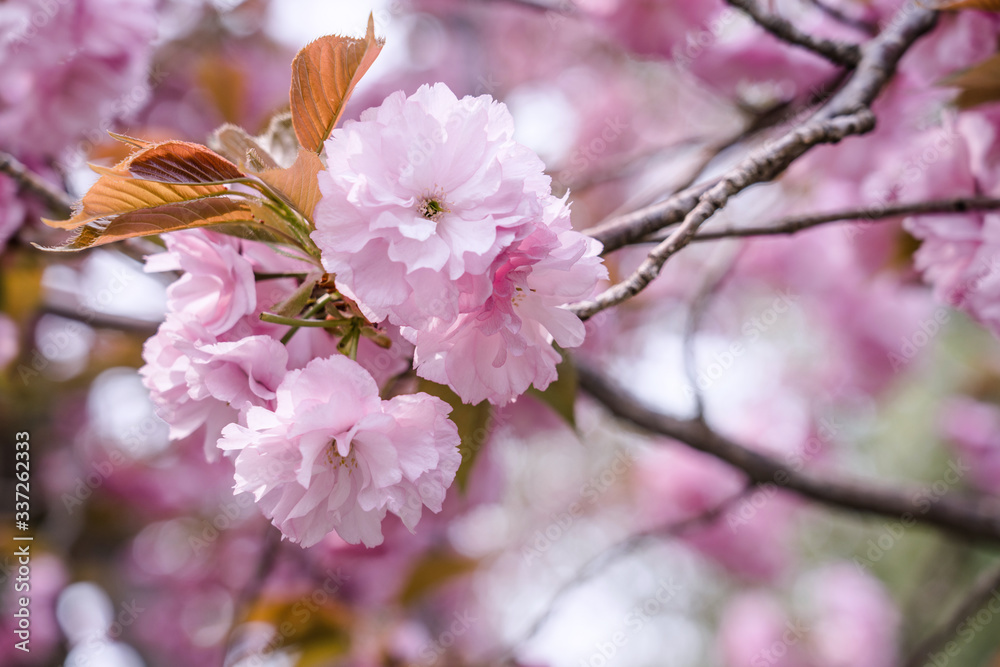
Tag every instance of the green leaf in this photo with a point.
(560, 395)
(474, 423)
(294, 304)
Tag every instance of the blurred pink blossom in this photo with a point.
(91, 56)
(848, 618)
(973, 430)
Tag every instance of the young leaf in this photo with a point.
(235, 144)
(298, 184)
(978, 84)
(131, 141)
(294, 304)
(279, 139)
(114, 194)
(166, 218)
(181, 162)
(324, 74)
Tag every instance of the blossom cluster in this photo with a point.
(438, 231)
(434, 219)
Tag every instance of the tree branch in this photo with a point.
(985, 587)
(791, 225)
(755, 169)
(623, 230)
(841, 16)
(973, 518)
(58, 201)
(839, 53)
(846, 113)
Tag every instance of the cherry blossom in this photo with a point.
(500, 349)
(332, 455)
(420, 196)
(217, 287)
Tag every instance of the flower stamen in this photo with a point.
(433, 206)
(335, 460)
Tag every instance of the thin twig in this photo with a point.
(791, 225)
(755, 169)
(836, 14)
(847, 113)
(251, 592)
(976, 518)
(560, 6)
(986, 586)
(621, 229)
(55, 198)
(839, 53)
(696, 313)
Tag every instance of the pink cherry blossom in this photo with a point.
(848, 618)
(500, 349)
(420, 195)
(751, 630)
(195, 381)
(217, 287)
(88, 56)
(656, 27)
(674, 484)
(855, 619)
(332, 455)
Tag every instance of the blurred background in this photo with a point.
(576, 541)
